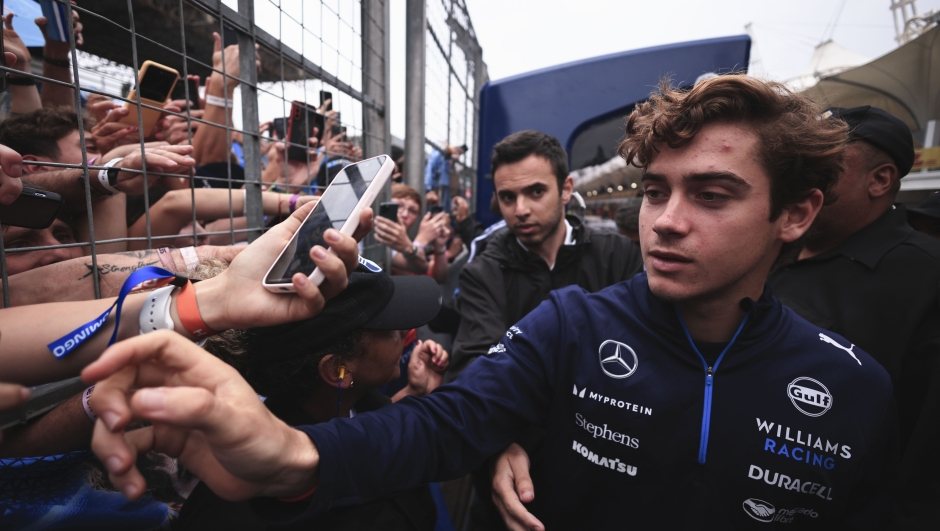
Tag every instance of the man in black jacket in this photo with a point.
(865, 274)
(541, 251)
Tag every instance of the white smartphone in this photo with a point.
(353, 188)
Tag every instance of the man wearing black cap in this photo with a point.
(865, 274)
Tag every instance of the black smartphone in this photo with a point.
(33, 209)
(229, 36)
(435, 209)
(157, 83)
(278, 129)
(389, 211)
(303, 120)
(179, 93)
(326, 95)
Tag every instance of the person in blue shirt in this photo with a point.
(685, 397)
(437, 172)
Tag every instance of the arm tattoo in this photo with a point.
(144, 259)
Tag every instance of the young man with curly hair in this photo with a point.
(685, 397)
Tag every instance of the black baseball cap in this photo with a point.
(929, 207)
(882, 129)
(372, 300)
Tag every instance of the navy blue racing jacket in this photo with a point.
(789, 426)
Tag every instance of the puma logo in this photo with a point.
(826, 339)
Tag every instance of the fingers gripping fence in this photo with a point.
(247, 175)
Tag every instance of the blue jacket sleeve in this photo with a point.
(448, 433)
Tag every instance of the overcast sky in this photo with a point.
(519, 36)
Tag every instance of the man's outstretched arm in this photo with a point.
(203, 412)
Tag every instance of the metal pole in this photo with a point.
(416, 28)
(376, 127)
(251, 140)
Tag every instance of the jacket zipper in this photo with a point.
(709, 382)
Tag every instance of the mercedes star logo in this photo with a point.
(618, 360)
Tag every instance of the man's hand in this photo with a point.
(426, 367)
(232, 67)
(12, 43)
(11, 167)
(236, 298)
(298, 173)
(430, 228)
(58, 45)
(512, 487)
(202, 411)
(392, 234)
(109, 133)
(164, 159)
(175, 129)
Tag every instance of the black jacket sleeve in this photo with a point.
(480, 301)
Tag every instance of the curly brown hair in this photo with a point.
(800, 150)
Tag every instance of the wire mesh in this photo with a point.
(454, 73)
(304, 50)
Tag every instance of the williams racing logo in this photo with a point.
(617, 359)
(809, 396)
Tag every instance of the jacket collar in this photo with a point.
(766, 315)
(872, 242)
(506, 249)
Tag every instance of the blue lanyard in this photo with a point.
(145, 277)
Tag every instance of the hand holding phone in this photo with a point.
(156, 83)
(326, 101)
(33, 209)
(389, 211)
(304, 121)
(353, 188)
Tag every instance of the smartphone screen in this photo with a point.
(157, 83)
(325, 95)
(389, 211)
(334, 207)
(229, 36)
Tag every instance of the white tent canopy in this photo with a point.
(904, 82)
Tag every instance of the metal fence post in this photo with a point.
(377, 138)
(251, 142)
(415, 53)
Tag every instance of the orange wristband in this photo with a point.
(188, 311)
(302, 497)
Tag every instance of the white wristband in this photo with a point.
(219, 102)
(86, 396)
(103, 176)
(155, 314)
(190, 257)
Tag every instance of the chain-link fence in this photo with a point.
(241, 69)
(454, 73)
